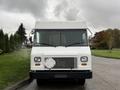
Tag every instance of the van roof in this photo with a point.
(60, 25)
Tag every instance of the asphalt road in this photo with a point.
(106, 76)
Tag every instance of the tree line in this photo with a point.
(106, 39)
(12, 42)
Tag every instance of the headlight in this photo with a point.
(37, 59)
(49, 63)
(84, 59)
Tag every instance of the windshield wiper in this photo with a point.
(72, 44)
(45, 44)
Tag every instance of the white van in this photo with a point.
(61, 51)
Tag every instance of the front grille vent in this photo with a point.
(65, 62)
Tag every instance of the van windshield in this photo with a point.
(61, 37)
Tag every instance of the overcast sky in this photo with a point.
(98, 14)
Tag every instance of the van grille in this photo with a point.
(65, 62)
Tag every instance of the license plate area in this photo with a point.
(60, 76)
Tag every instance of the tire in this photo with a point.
(30, 78)
(81, 82)
(39, 82)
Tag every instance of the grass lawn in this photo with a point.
(106, 53)
(13, 67)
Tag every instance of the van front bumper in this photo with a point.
(65, 74)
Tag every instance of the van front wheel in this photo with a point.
(39, 82)
(81, 82)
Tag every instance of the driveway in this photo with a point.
(106, 76)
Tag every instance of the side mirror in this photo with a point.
(30, 39)
(33, 31)
(31, 36)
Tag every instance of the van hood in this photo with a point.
(55, 51)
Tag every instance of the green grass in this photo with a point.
(13, 67)
(106, 53)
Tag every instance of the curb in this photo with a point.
(19, 84)
(106, 57)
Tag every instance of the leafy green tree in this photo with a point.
(2, 41)
(12, 42)
(116, 36)
(17, 41)
(99, 41)
(7, 43)
(21, 32)
(106, 39)
(109, 38)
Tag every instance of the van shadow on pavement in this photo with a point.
(59, 85)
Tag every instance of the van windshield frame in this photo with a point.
(60, 37)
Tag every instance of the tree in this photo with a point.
(116, 36)
(106, 39)
(109, 39)
(17, 41)
(12, 42)
(2, 41)
(21, 32)
(99, 41)
(7, 43)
